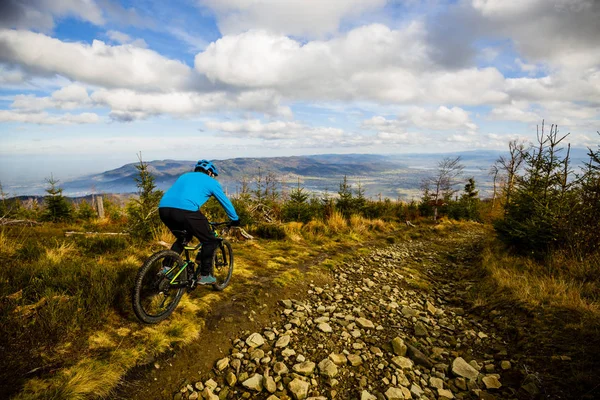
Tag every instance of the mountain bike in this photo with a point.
(163, 279)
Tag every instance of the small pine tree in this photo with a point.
(85, 211)
(297, 208)
(536, 211)
(143, 211)
(57, 209)
(345, 200)
(359, 201)
(470, 201)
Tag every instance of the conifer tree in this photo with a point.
(469, 201)
(143, 211)
(345, 200)
(297, 208)
(537, 209)
(57, 209)
(359, 201)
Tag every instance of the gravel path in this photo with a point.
(391, 325)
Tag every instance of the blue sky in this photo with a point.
(87, 84)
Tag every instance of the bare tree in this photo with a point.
(510, 166)
(443, 185)
(494, 172)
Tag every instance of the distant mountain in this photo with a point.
(393, 176)
(389, 175)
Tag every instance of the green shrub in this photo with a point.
(270, 231)
(31, 250)
(85, 211)
(101, 244)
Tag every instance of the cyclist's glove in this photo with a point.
(234, 222)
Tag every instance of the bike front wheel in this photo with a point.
(159, 285)
(222, 265)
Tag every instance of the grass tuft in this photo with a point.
(8, 246)
(60, 252)
(337, 223)
(163, 234)
(293, 231)
(535, 284)
(101, 340)
(359, 224)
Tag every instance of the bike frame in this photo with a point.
(187, 249)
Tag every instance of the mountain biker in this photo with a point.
(179, 209)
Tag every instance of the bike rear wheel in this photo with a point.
(155, 297)
(222, 265)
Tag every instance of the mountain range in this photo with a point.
(396, 176)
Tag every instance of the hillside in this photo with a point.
(370, 310)
(391, 176)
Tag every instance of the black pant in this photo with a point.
(196, 225)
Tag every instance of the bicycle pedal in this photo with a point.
(193, 284)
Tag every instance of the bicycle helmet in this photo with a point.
(205, 165)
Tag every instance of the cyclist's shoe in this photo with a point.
(164, 270)
(207, 280)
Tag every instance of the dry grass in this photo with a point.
(8, 245)
(163, 234)
(88, 378)
(101, 340)
(107, 267)
(378, 225)
(293, 231)
(336, 223)
(533, 284)
(61, 252)
(359, 224)
(315, 231)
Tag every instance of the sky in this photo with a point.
(86, 85)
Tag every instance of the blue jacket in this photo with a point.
(192, 189)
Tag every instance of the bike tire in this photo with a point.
(150, 288)
(222, 265)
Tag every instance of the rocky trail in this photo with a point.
(391, 324)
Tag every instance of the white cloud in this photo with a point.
(442, 119)
(39, 14)
(372, 62)
(68, 97)
(44, 118)
(459, 138)
(128, 105)
(525, 67)
(294, 134)
(118, 37)
(123, 38)
(100, 64)
(468, 87)
(390, 126)
(312, 18)
(564, 32)
(275, 130)
(194, 42)
(562, 85)
(515, 112)
(10, 76)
